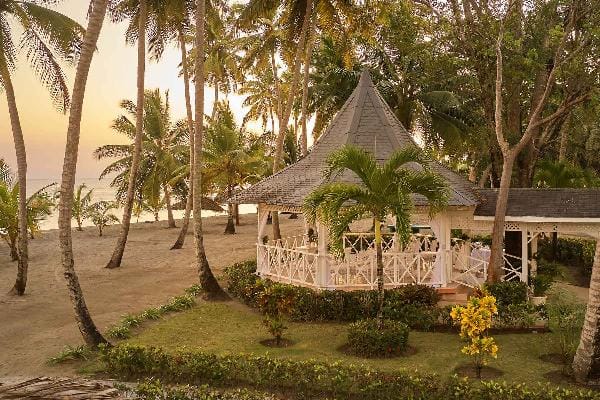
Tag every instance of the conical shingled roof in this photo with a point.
(366, 121)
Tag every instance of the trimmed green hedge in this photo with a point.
(367, 340)
(154, 389)
(415, 305)
(571, 252)
(312, 379)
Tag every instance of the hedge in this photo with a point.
(414, 305)
(367, 339)
(314, 379)
(154, 389)
(571, 252)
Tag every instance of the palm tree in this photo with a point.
(208, 282)
(88, 329)
(100, 214)
(260, 99)
(48, 38)
(39, 207)
(586, 364)
(164, 150)
(384, 190)
(80, 204)
(228, 162)
(137, 12)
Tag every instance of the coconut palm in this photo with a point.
(164, 150)
(136, 11)
(383, 190)
(48, 39)
(100, 213)
(80, 203)
(228, 162)
(586, 363)
(208, 282)
(39, 207)
(88, 329)
(260, 99)
(560, 174)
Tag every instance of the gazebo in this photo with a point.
(435, 259)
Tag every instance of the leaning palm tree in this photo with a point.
(88, 329)
(208, 282)
(586, 364)
(137, 12)
(80, 204)
(383, 190)
(48, 38)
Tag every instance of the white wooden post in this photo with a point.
(441, 227)
(534, 250)
(322, 256)
(524, 254)
(260, 251)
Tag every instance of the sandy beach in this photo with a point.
(38, 325)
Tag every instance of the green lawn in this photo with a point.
(233, 328)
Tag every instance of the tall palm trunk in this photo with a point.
(209, 284)
(90, 333)
(23, 254)
(287, 108)
(230, 227)
(190, 121)
(170, 219)
(307, 61)
(379, 257)
(117, 256)
(586, 365)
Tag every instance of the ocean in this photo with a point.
(103, 191)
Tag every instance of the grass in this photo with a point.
(234, 328)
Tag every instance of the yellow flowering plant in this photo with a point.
(475, 320)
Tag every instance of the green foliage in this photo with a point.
(571, 252)
(123, 329)
(565, 317)
(367, 339)
(411, 304)
(276, 302)
(81, 202)
(154, 389)
(70, 353)
(541, 283)
(507, 293)
(100, 213)
(516, 316)
(312, 379)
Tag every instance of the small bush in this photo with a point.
(570, 252)
(70, 353)
(366, 339)
(154, 389)
(541, 283)
(565, 318)
(509, 292)
(276, 303)
(516, 316)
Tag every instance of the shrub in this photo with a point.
(565, 317)
(516, 316)
(571, 252)
(313, 379)
(509, 292)
(154, 389)
(71, 353)
(415, 316)
(337, 305)
(366, 339)
(541, 283)
(475, 320)
(276, 303)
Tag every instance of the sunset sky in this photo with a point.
(112, 78)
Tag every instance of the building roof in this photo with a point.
(543, 203)
(365, 121)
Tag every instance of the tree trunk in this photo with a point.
(287, 110)
(14, 251)
(495, 271)
(275, 223)
(216, 102)
(380, 286)
(586, 364)
(307, 60)
(90, 333)
(79, 228)
(170, 218)
(190, 121)
(564, 139)
(230, 227)
(15, 122)
(208, 283)
(117, 256)
(236, 214)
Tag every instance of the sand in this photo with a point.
(39, 325)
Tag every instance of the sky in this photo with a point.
(112, 78)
